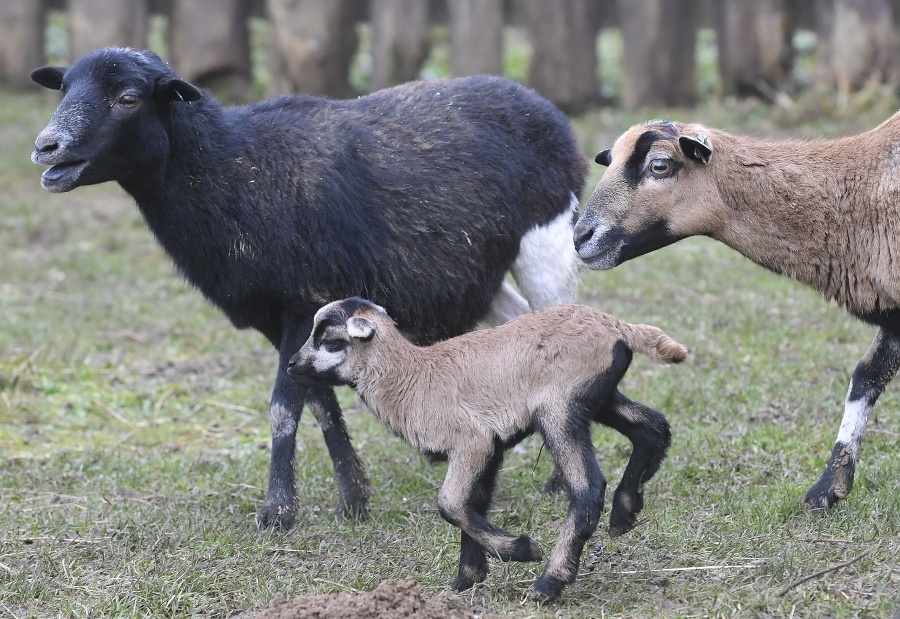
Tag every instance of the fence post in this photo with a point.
(314, 42)
(21, 41)
(400, 41)
(476, 36)
(209, 45)
(564, 64)
(101, 23)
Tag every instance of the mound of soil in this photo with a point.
(392, 599)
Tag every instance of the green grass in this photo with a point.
(134, 434)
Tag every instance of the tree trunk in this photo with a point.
(859, 45)
(209, 45)
(314, 45)
(755, 46)
(659, 38)
(21, 41)
(103, 23)
(399, 40)
(564, 64)
(476, 36)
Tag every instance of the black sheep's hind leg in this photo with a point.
(353, 483)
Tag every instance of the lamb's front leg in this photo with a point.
(573, 455)
(870, 378)
(463, 501)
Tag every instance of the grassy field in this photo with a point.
(134, 434)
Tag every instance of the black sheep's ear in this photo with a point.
(696, 147)
(49, 77)
(360, 328)
(604, 157)
(174, 89)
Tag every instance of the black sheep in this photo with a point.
(419, 197)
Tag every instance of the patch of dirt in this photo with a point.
(392, 599)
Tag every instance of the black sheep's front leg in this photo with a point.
(353, 483)
(872, 375)
(288, 397)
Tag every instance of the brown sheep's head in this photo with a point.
(654, 193)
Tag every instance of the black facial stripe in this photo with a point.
(649, 238)
(632, 169)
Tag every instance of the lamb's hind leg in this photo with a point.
(649, 433)
(573, 453)
(463, 502)
(870, 378)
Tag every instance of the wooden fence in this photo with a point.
(311, 43)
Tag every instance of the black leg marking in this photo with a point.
(871, 376)
(649, 433)
(473, 563)
(573, 454)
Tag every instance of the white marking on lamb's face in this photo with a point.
(856, 414)
(547, 268)
(325, 360)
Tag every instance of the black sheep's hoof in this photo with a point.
(275, 516)
(546, 588)
(352, 510)
(820, 498)
(621, 522)
(525, 549)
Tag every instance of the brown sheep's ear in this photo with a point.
(696, 147)
(49, 77)
(174, 89)
(604, 157)
(360, 328)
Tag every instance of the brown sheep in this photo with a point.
(470, 398)
(822, 212)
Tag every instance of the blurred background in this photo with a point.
(579, 53)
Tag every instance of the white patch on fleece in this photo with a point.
(547, 268)
(506, 305)
(856, 414)
(281, 420)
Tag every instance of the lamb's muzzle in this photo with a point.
(469, 398)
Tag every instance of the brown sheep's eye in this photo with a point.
(660, 167)
(128, 100)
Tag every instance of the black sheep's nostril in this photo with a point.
(46, 145)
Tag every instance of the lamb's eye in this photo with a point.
(128, 99)
(334, 345)
(660, 167)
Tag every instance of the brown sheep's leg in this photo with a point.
(650, 436)
(870, 378)
(573, 454)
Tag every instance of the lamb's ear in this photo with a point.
(49, 77)
(604, 157)
(174, 89)
(696, 147)
(360, 328)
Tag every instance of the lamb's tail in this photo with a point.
(654, 343)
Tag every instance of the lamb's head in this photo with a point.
(659, 189)
(341, 331)
(110, 123)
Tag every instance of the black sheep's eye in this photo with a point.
(128, 99)
(660, 168)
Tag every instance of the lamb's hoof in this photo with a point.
(276, 516)
(525, 549)
(467, 581)
(546, 588)
(621, 522)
